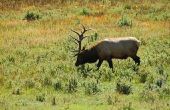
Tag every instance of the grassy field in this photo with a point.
(37, 69)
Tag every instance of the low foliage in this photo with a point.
(124, 21)
(128, 107)
(123, 88)
(29, 83)
(109, 100)
(91, 88)
(57, 85)
(85, 12)
(31, 16)
(40, 97)
(16, 91)
(72, 85)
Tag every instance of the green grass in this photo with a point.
(37, 65)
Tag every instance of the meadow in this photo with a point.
(37, 66)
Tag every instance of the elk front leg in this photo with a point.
(99, 64)
(110, 63)
(136, 59)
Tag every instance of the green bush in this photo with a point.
(159, 82)
(31, 16)
(72, 85)
(124, 21)
(127, 6)
(144, 74)
(148, 95)
(57, 85)
(16, 91)
(128, 107)
(165, 91)
(85, 12)
(93, 37)
(107, 75)
(84, 70)
(91, 88)
(53, 101)
(29, 83)
(40, 97)
(109, 100)
(143, 77)
(123, 88)
(47, 81)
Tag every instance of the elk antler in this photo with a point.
(80, 38)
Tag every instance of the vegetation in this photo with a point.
(123, 87)
(30, 16)
(37, 69)
(124, 22)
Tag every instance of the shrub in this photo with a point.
(85, 12)
(148, 95)
(160, 70)
(127, 6)
(123, 88)
(53, 101)
(109, 100)
(93, 38)
(84, 70)
(29, 83)
(127, 74)
(124, 21)
(159, 82)
(9, 84)
(91, 88)
(57, 85)
(40, 97)
(71, 86)
(47, 81)
(107, 76)
(16, 91)
(128, 107)
(165, 91)
(31, 16)
(143, 77)
(11, 59)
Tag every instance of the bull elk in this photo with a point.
(107, 49)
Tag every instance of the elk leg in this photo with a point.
(136, 59)
(110, 63)
(99, 64)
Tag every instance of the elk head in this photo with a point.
(78, 41)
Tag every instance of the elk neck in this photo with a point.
(91, 55)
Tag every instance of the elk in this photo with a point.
(107, 49)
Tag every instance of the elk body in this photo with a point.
(108, 49)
